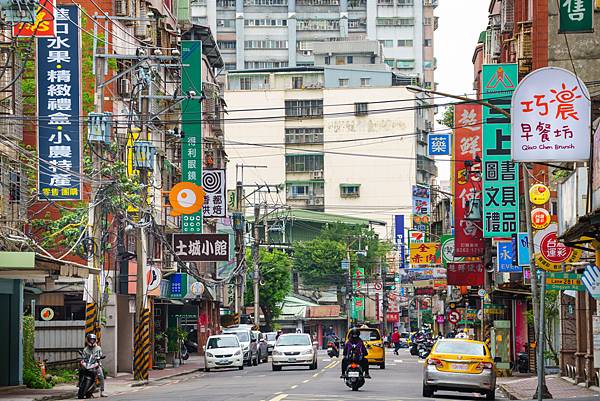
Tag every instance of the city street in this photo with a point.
(401, 380)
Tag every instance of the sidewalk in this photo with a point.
(523, 388)
(114, 385)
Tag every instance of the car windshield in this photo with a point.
(222, 342)
(404, 335)
(242, 336)
(293, 340)
(271, 336)
(460, 348)
(369, 335)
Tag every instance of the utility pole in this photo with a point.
(348, 288)
(256, 260)
(240, 249)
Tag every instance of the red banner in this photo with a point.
(468, 236)
(393, 317)
(44, 24)
(466, 273)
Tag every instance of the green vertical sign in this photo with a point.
(358, 302)
(191, 125)
(576, 16)
(500, 175)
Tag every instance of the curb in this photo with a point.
(507, 393)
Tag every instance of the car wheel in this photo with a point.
(206, 369)
(313, 366)
(382, 365)
(276, 368)
(490, 395)
(241, 367)
(427, 391)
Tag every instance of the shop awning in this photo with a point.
(31, 265)
(586, 230)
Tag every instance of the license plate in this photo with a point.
(292, 360)
(353, 374)
(223, 362)
(329, 349)
(459, 366)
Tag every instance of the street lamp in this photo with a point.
(418, 89)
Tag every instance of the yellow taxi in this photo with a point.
(460, 365)
(374, 344)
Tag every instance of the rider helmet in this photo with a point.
(91, 338)
(354, 333)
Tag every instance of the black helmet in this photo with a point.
(354, 333)
(91, 337)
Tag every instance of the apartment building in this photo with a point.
(335, 139)
(256, 34)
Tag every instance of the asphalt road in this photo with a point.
(400, 381)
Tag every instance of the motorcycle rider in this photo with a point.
(92, 348)
(354, 340)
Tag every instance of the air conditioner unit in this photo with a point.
(220, 22)
(124, 87)
(121, 8)
(319, 201)
(317, 175)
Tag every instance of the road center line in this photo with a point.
(279, 397)
(294, 386)
(315, 375)
(306, 381)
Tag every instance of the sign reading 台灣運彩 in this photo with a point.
(500, 174)
(575, 16)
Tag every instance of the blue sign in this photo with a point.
(523, 249)
(504, 258)
(399, 238)
(439, 144)
(177, 285)
(59, 108)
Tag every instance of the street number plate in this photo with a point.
(459, 366)
(353, 374)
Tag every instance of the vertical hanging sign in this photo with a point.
(468, 239)
(500, 174)
(399, 230)
(191, 125)
(576, 16)
(58, 109)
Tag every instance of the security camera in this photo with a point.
(175, 52)
(191, 94)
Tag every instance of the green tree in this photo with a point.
(276, 283)
(551, 314)
(448, 117)
(319, 261)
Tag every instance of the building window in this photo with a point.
(226, 44)
(266, 44)
(365, 82)
(405, 2)
(357, 3)
(395, 21)
(303, 163)
(349, 190)
(246, 83)
(387, 43)
(265, 64)
(405, 43)
(427, 21)
(357, 23)
(318, 2)
(230, 66)
(350, 59)
(226, 23)
(265, 2)
(339, 60)
(226, 3)
(428, 65)
(405, 64)
(327, 60)
(297, 83)
(304, 108)
(361, 109)
(265, 22)
(428, 42)
(318, 24)
(343, 82)
(303, 135)
(385, 2)
(298, 190)
(390, 62)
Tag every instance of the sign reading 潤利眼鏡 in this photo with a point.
(59, 108)
(500, 174)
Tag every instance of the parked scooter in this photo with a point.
(522, 362)
(88, 369)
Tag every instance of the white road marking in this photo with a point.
(398, 360)
(315, 375)
(327, 360)
(279, 397)
(306, 381)
(294, 386)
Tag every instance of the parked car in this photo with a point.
(460, 365)
(263, 347)
(294, 350)
(248, 342)
(223, 351)
(271, 338)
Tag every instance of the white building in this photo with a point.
(349, 150)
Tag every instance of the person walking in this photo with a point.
(396, 340)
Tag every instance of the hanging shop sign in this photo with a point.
(439, 144)
(421, 222)
(191, 125)
(58, 109)
(179, 285)
(197, 289)
(540, 218)
(575, 16)
(465, 273)
(564, 281)
(44, 24)
(447, 250)
(213, 182)
(399, 236)
(551, 252)
(500, 174)
(539, 194)
(522, 249)
(416, 237)
(505, 258)
(551, 117)
(47, 314)
(153, 278)
(186, 198)
(201, 247)
(424, 254)
(421, 201)
(591, 280)
(467, 180)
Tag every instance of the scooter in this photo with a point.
(522, 362)
(88, 370)
(333, 348)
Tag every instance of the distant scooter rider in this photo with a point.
(354, 341)
(92, 348)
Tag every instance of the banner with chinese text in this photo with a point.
(58, 109)
(500, 174)
(399, 237)
(421, 201)
(201, 247)
(468, 235)
(44, 25)
(213, 183)
(576, 16)
(426, 253)
(465, 273)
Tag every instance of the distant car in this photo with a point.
(460, 365)
(248, 342)
(404, 339)
(223, 351)
(263, 347)
(271, 338)
(294, 350)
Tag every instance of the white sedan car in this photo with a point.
(223, 351)
(294, 350)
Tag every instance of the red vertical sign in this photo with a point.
(44, 25)
(468, 236)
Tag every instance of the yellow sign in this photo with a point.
(423, 254)
(563, 281)
(551, 253)
(540, 218)
(539, 194)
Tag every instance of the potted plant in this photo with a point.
(160, 347)
(172, 346)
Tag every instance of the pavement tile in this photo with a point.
(523, 388)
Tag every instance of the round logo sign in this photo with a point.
(539, 194)
(552, 253)
(197, 288)
(153, 278)
(540, 218)
(454, 317)
(47, 314)
(481, 292)
(186, 198)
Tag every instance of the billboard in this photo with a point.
(44, 25)
(465, 273)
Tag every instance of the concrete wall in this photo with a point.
(377, 78)
(125, 335)
(11, 324)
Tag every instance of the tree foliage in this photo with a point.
(448, 117)
(276, 283)
(319, 261)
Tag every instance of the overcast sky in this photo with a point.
(460, 23)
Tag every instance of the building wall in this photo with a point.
(11, 349)
(376, 79)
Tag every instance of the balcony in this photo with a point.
(523, 49)
(213, 107)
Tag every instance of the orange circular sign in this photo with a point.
(186, 198)
(539, 194)
(540, 218)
